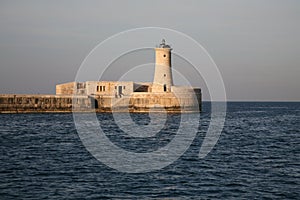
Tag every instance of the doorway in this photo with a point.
(120, 90)
(165, 87)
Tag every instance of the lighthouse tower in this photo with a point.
(163, 73)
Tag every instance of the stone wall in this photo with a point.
(188, 96)
(137, 102)
(109, 88)
(71, 88)
(40, 103)
(165, 101)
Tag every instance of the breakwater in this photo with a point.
(26, 103)
(13, 103)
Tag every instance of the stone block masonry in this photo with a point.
(12, 103)
(137, 102)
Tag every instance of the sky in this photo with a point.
(254, 43)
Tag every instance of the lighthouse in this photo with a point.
(161, 95)
(163, 79)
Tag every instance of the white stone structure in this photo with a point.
(141, 95)
(163, 80)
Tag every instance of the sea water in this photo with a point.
(256, 156)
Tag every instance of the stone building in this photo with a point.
(160, 93)
(139, 95)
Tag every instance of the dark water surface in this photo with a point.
(257, 156)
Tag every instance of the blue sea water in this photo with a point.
(256, 157)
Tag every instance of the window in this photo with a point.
(165, 87)
(100, 88)
(10, 100)
(165, 75)
(115, 87)
(124, 87)
(164, 55)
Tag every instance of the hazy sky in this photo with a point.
(255, 43)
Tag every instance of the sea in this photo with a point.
(257, 156)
